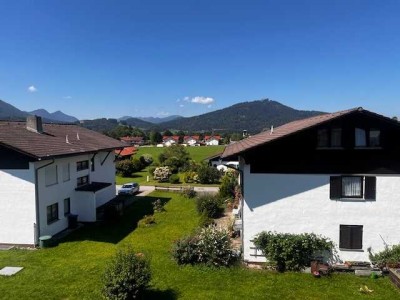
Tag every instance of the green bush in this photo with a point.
(207, 174)
(210, 205)
(151, 170)
(158, 206)
(228, 184)
(389, 256)
(205, 221)
(126, 276)
(209, 246)
(125, 167)
(146, 159)
(137, 164)
(174, 178)
(188, 177)
(286, 251)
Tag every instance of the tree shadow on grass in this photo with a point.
(161, 295)
(114, 231)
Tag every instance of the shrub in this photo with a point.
(158, 206)
(188, 177)
(151, 170)
(125, 167)
(137, 164)
(210, 246)
(389, 256)
(188, 192)
(146, 159)
(126, 276)
(210, 205)
(147, 221)
(228, 184)
(174, 178)
(286, 251)
(207, 174)
(161, 174)
(205, 221)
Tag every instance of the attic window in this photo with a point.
(367, 138)
(329, 138)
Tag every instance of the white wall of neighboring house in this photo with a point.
(191, 142)
(301, 203)
(82, 203)
(17, 202)
(212, 142)
(169, 142)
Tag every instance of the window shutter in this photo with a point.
(356, 236)
(345, 237)
(335, 187)
(370, 188)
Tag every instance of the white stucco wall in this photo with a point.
(82, 203)
(17, 206)
(300, 203)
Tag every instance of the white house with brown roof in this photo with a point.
(212, 140)
(48, 171)
(337, 175)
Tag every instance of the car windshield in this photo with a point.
(127, 186)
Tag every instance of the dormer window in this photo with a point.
(330, 138)
(367, 138)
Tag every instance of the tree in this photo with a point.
(155, 137)
(175, 157)
(168, 133)
(207, 174)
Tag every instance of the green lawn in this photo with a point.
(198, 154)
(73, 269)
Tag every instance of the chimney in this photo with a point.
(34, 123)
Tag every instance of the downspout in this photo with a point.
(37, 200)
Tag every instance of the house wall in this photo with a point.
(17, 202)
(212, 142)
(82, 203)
(299, 203)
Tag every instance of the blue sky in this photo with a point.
(156, 58)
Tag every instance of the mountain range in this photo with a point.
(58, 116)
(253, 116)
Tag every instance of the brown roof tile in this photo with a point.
(57, 140)
(281, 131)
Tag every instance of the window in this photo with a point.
(52, 213)
(51, 175)
(65, 172)
(67, 206)
(82, 165)
(329, 138)
(351, 237)
(353, 187)
(82, 180)
(323, 138)
(367, 138)
(374, 138)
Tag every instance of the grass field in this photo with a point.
(73, 270)
(198, 154)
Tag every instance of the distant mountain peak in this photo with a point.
(57, 116)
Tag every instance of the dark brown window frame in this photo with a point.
(368, 188)
(329, 135)
(354, 242)
(82, 165)
(79, 181)
(53, 216)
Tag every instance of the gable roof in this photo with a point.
(56, 140)
(282, 131)
(127, 151)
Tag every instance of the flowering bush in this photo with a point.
(161, 174)
(158, 206)
(209, 246)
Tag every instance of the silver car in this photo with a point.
(129, 189)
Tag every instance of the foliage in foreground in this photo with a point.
(209, 246)
(287, 251)
(389, 256)
(209, 205)
(126, 276)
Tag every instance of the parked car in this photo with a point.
(129, 188)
